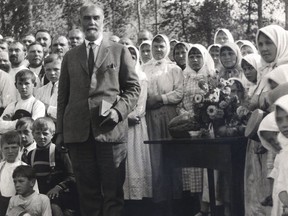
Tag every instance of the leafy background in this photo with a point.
(193, 21)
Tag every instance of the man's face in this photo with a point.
(60, 46)
(92, 22)
(4, 46)
(16, 54)
(44, 39)
(35, 55)
(76, 38)
(42, 137)
(5, 64)
(142, 36)
(27, 40)
(10, 151)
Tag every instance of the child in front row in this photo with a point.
(280, 170)
(10, 146)
(53, 167)
(26, 106)
(27, 201)
(24, 129)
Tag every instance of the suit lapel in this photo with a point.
(102, 53)
(83, 57)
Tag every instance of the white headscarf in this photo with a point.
(146, 42)
(268, 124)
(227, 32)
(279, 36)
(165, 58)
(208, 67)
(279, 74)
(138, 69)
(213, 45)
(282, 102)
(250, 44)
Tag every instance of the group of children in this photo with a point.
(36, 178)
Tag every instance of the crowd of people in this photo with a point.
(75, 112)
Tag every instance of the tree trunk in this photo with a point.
(3, 24)
(286, 14)
(156, 16)
(183, 20)
(260, 11)
(139, 14)
(248, 31)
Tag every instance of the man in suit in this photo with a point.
(98, 88)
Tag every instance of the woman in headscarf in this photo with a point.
(250, 64)
(165, 91)
(214, 51)
(280, 170)
(223, 36)
(179, 54)
(272, 44)
(145, 51)
(138, 181)
(230, 57)
(172, 43)
(199, 66)
(247, 47)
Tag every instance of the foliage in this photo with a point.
(193, 21)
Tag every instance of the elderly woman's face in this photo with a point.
(159, 50)
(228, 57)
(267, 48)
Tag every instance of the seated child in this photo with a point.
(280, 170)
(26, 106)
(52, 166)
(48, 93)
(27, 201)
(10, 145)
(24, 129)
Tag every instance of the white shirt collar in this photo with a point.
(97, 42)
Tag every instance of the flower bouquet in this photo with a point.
(217, 107)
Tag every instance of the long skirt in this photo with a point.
(256, 184)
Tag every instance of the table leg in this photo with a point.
(211, 185)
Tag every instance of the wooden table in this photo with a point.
(226, 154)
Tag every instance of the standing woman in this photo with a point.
(272, 43)
(165, 91)
(247, 48)
(179, 54)
(138, 182)
(199, 66)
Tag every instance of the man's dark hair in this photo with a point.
(24, 171)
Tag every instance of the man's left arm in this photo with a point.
(129, 85)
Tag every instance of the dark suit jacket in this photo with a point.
(114, 80)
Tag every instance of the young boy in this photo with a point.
(26, 106)
(27, 201)
(10, 145)
(53, 167)
(48, 93)
(24, 129)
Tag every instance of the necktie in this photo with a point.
(91, 59)
(53, 89)
(24, 155)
